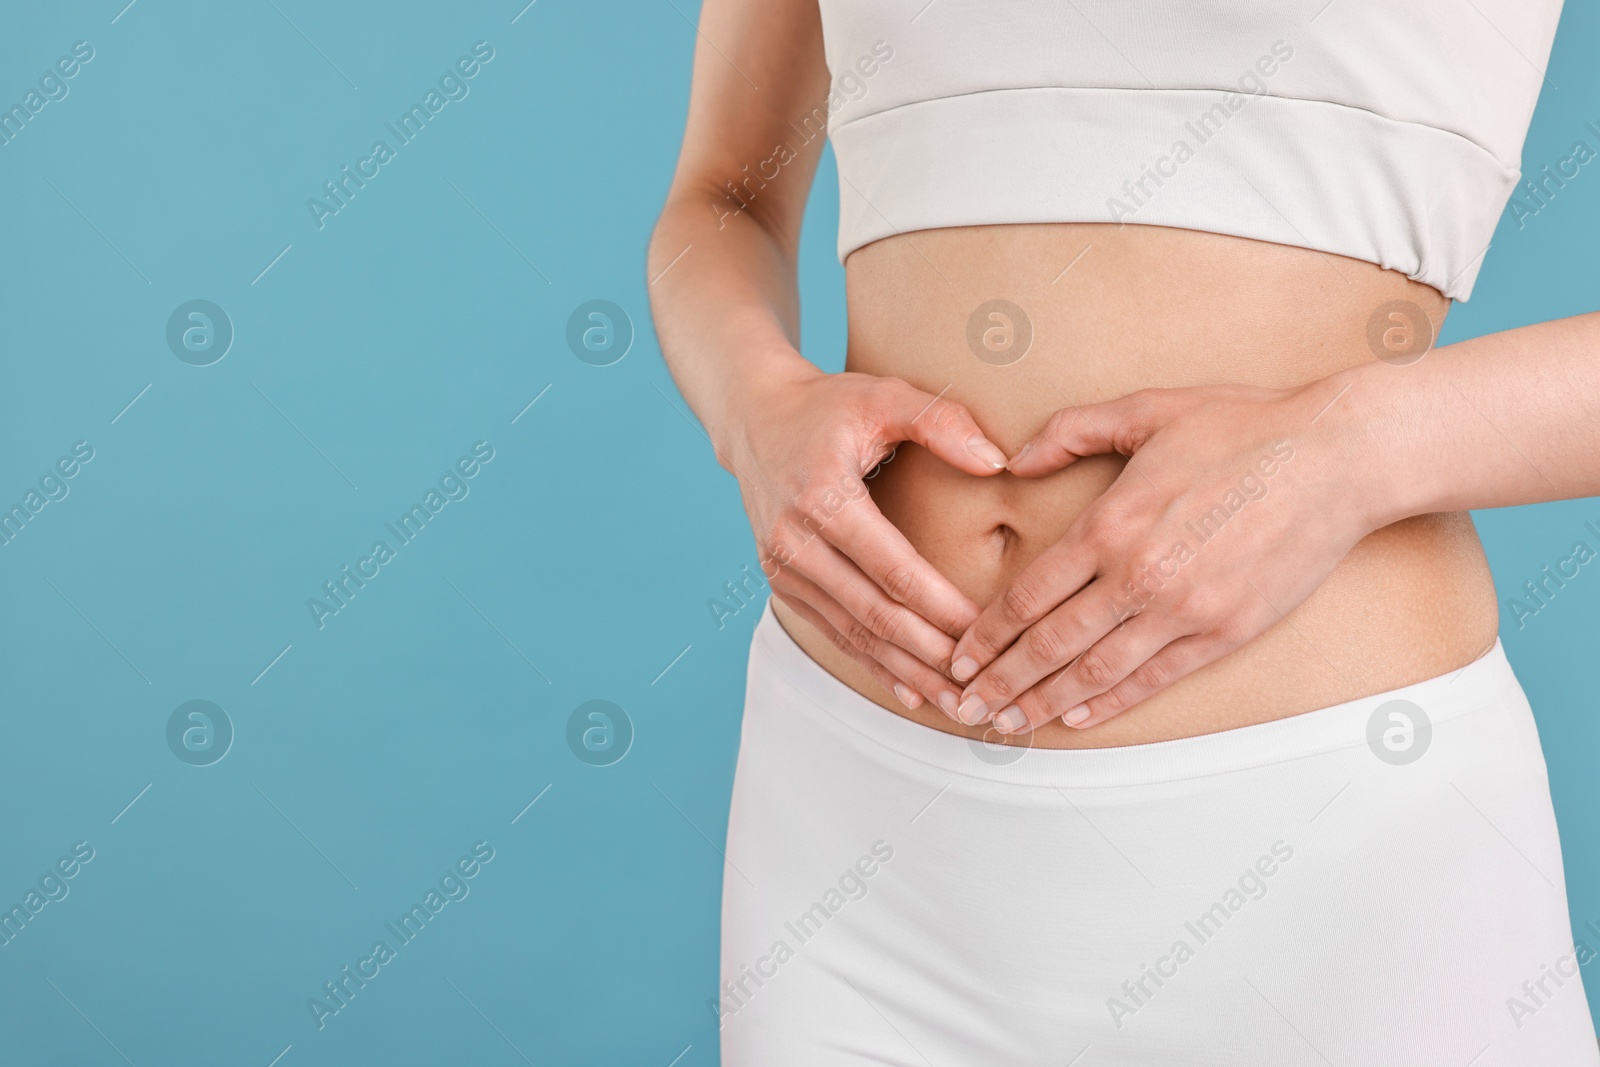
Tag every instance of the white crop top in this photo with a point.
(1385, 130)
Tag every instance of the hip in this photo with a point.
(892, 889)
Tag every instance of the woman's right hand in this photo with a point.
(802, 445)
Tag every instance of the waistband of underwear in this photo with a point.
(1486, 682)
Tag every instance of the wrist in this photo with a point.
(1366, 415)
(749, 398)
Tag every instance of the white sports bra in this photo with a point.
(1386, 130)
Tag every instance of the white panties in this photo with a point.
(1376, 883)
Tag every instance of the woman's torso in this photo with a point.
(1112, 310)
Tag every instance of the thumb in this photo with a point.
(1122, 425)
(943, 427)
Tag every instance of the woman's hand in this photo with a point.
(803, 444)
(1236, 504)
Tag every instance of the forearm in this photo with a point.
(1509, 418)
(726, 303)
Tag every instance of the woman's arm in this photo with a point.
(723, 290)
(1142, 591)
(1509, 418)
(725, 298)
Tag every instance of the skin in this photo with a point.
(1511, 418)
(1166, 366)
(726, 307)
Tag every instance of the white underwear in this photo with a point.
(1376, 884)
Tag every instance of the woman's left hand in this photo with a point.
(1236, 503)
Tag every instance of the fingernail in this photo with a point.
(1025, 450)
(985, 450)
(907, 697)
(964, 668)
(948, 701)
(972, 711)
(1076, 716)
(1010, 720)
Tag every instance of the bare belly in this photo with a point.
(1147, 306)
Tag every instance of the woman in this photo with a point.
(1130, 692)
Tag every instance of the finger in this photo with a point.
(895, 669)
(1118, 655)
(885, 557)
(943, 427)
(1043, 648)
(1060, 571)
(1122, 425)
(869, 605)
(907, 696)
(1182, 657)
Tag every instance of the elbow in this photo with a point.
(705, 207)
(675, 228)
(655, 255)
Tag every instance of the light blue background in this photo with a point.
(428, 713)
